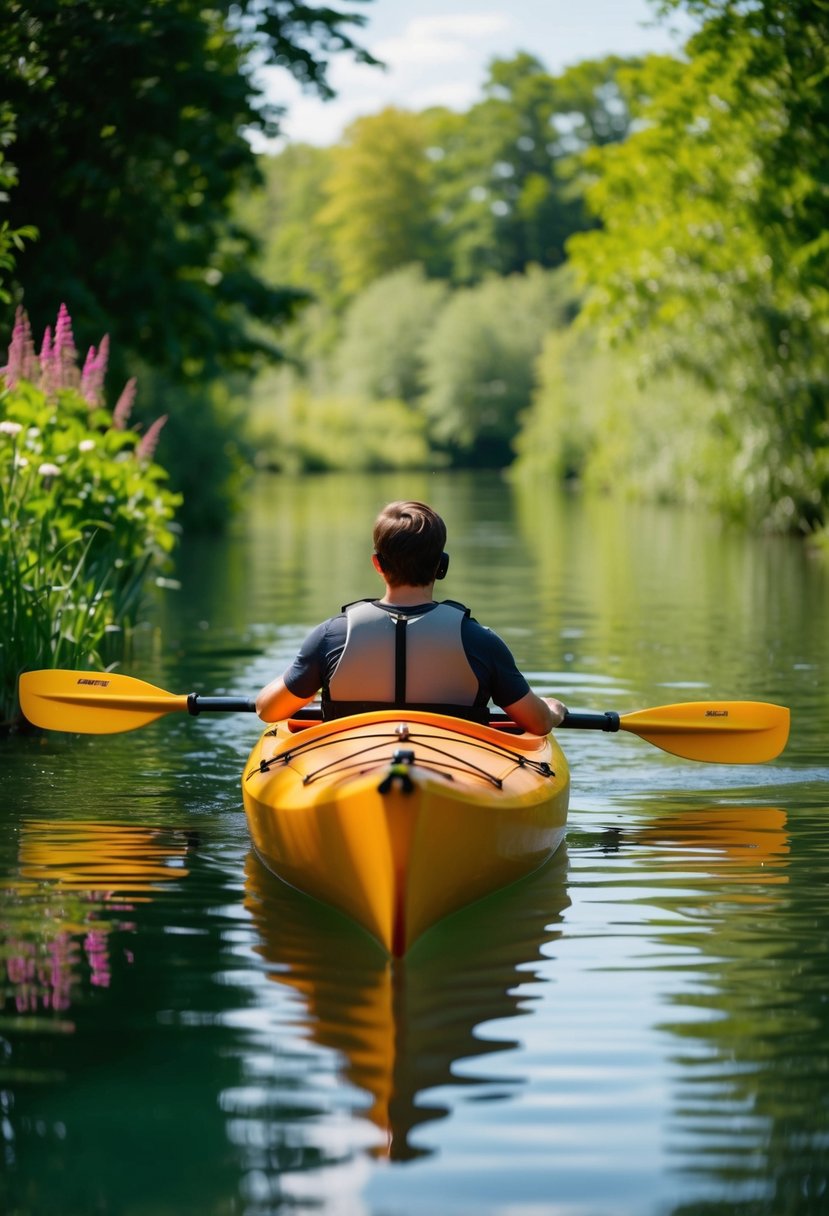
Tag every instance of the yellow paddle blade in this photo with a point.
(92, 702)
(720, 732)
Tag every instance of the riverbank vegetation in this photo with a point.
(617, 275)
(86, 512)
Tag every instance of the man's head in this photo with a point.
(408, 540)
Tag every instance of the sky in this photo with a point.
(437, 52)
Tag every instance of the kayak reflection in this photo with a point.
(740, 843)
(401, 1025)
(107, 858)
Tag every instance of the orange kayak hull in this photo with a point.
(398, 818)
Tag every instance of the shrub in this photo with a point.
(380, 355)
(479, 363)
(84, 510)
(302, 433)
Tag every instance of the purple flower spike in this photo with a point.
(147, 446)
(94, 369)
(48, 380)
(20, 350)
(65, 352)
(123, 406)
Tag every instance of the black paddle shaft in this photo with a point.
(197, 704)
(606, 721)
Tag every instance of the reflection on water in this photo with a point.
(401, 1026)
(718, 895)
(75, 884)
(743, 844)
(643, 1035)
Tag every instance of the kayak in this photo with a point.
(398, 818)
(401, 817)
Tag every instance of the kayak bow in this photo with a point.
(398, 819)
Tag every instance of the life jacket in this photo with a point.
(404, 661)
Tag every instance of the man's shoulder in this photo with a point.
(482, 634)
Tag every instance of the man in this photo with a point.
(406, 649)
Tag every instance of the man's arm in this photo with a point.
(537, 715)
(276, 702)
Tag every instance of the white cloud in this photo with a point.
(439, 40)
(459, 25)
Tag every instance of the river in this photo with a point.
(639, 1029)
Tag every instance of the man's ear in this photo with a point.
(377, 564)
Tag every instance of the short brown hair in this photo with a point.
(408, 539)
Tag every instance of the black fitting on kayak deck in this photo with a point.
(398, 774)
(606, 721)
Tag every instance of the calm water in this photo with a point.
(640, 1028)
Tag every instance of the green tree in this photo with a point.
(295, 247)
(11, 239)
(380, 355)
(131, 119)
(479, 362)
(379, 205)
(283, 212)
(504, 186)
(714, 243)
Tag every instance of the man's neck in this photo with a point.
(407, 596)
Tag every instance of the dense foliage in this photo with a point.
(131, 121)
(130, 142)
(427, 377)
(714, 246)
(492, 190)
(430, 240)
(11, 239)
(85, 511)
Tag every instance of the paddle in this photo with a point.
(720, 732)
(101, 703)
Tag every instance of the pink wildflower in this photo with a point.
(65, 352)
(21, 351)
(148, 444)
(123, 406)
(46, 359)
(94, 369)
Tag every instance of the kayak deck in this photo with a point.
(398, 818)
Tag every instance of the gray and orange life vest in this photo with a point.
(406, 661)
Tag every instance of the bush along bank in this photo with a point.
(85, 512)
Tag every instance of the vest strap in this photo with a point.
(400, 659)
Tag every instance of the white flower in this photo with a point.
(47, 469)
(20, 462)
(7, 427)
(86, 445)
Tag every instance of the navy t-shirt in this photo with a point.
(489, 656)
